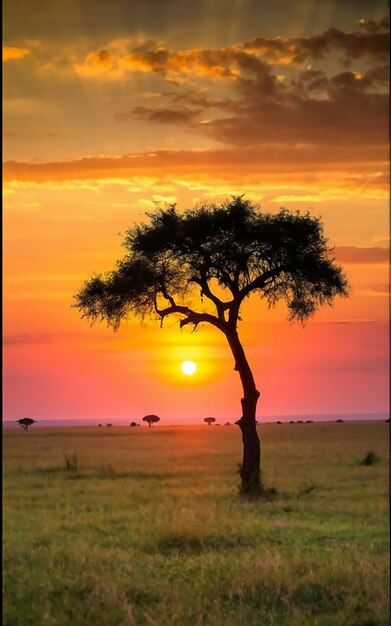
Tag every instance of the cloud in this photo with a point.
(161, 115)
(296, 50)
(237, 60)
(271, 97)
(343, 114)
(374, 25)
(360, 120)
(355, 254)
(259, 162)
(27, 338)
(151, 56)
(11, 53)
(271, 174)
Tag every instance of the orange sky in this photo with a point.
(108, 111)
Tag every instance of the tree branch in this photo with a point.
(257, 283)
(206, 291)
(260, 281)
(197, 318)
(167, 296)
(191, 317)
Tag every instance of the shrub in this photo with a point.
(370, 458)
(71, 462)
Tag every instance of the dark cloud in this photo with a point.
(375, 25)
(354, 44)
(239, 60)
(160, 115)
(359, 119)
(269, 102)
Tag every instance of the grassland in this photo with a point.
(150, 529)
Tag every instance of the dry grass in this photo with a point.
(150, 530)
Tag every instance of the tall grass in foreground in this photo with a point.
(149, 528)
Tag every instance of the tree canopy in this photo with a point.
(151, 419)
(216, 256)
(25, 422)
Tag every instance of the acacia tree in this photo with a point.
(25, 422)
(151, 419)
(200, 266)
(209, 420)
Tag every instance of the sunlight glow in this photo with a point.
(188, 367)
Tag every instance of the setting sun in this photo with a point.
(188, 367)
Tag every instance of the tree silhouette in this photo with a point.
(151, 419)
(200, 266)
(209, 420)
(25, 422)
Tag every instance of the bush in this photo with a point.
(370, 458)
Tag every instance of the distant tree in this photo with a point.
(279, 422)
(227, 424)
(133, 424)
(108, 425)
(151, 419)
(202, 264)
(291, 422)
(309, 421)
(209, 420)
(25, 422)
(339, 421)
(99, 424)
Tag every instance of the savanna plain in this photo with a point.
(145, 526)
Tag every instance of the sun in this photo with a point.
(188, 367)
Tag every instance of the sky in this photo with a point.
(113, 108)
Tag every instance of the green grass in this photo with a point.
(150, 529)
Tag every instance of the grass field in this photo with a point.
(150, 529)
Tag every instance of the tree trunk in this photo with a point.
(250, 472)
